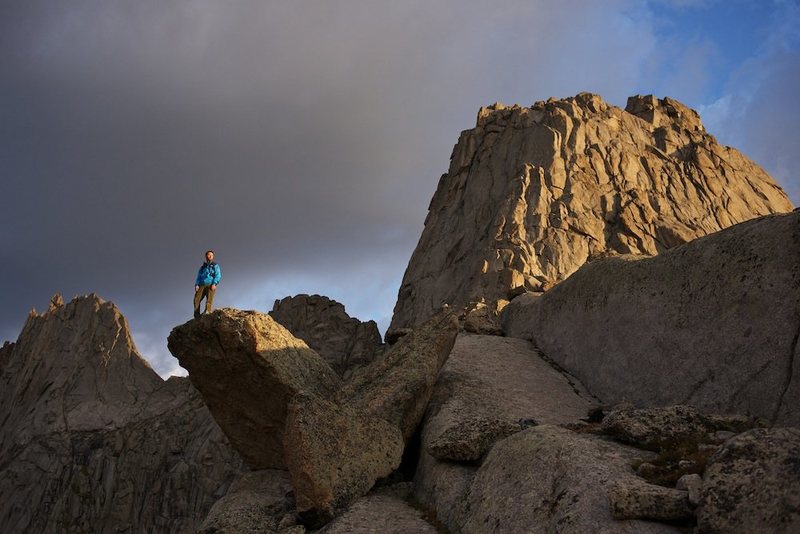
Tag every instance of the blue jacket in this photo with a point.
(209, 275)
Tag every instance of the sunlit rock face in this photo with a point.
(533, 193)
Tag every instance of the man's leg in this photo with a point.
(198, 296)
(209, 298)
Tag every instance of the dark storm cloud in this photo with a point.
(301, 140)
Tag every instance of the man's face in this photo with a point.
(209, 256)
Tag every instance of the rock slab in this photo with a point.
(713, 323)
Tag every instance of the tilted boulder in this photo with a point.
(534, 193)
(712, 323)
(752, 484)
(397, 387)
(344, 342)
(282, 405)
(335, 454)
(337, 450)
(248, 369)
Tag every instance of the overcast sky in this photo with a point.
(303, 140)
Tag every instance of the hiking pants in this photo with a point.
(208, 293)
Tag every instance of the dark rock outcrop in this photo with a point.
(257, 502)
(344, 342)
(634, 498)
(533, 193)
(713, 323)
(248, 369)
(92, 440)
(752, 484)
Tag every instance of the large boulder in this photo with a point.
(93, 440)
(712, 323)
(752, 484)
(336, 451)
(335, 454)
(489, 385)
(534, 193)
(248, 369)
(398, 386)
(344, 342)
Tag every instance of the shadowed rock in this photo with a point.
(487, 378)
(654, 428)
(633, 498)
(752, 484)
(713, 323)
(248, 368)
(92, 440)
(397, 387)
(470, 440)
(549, 479)
(335, 454)
(257, 502)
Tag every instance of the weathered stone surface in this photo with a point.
(654, 428)
(494, 378)
(634, 498)
(549, 479)
(693, 484)
(93, 440)
(248, 368)
(397, 387)
(713, 323)
(472, 439)
(343, 341)
(481, 319)
(380, 511)
(335, 454)
(533, 193)
(257, 502)
(752, 484)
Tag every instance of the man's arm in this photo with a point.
(217, 276)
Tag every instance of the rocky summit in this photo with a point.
(533, 193)
(344, 342)
(598, 332)
(93, 440)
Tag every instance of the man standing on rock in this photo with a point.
(205, 285)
